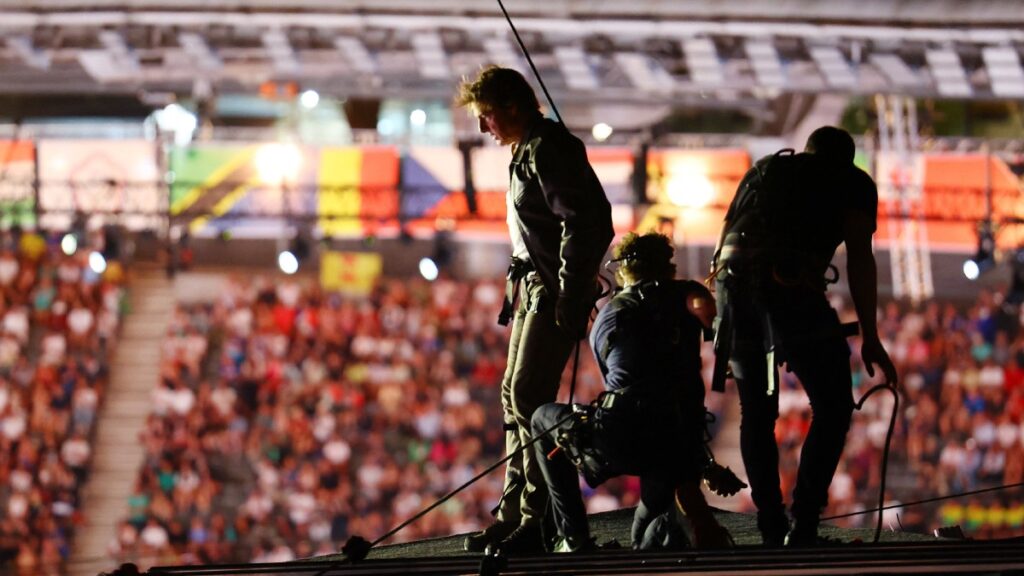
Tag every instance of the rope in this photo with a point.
(526, 53)
(927, 500)
(365, 548)
(885, 451)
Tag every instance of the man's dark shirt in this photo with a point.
(647, 344)
(560, 207)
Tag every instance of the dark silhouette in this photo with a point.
(772, 268)
(560, 226)
(650, 420)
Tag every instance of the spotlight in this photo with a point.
(971, 269)
(287, 262)
(418, 117)
(984, 258)
(428, 269)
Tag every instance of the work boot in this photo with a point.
(570, 544)
(524, 540)
(804, 534)
(773, 527)
(479, 541)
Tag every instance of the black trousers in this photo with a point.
(807, 330)
(657, 482)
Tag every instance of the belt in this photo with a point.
(517, 270)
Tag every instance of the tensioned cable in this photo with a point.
(533, 67)
(926, 501)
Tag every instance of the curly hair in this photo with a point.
(497, 87)
(647, 257)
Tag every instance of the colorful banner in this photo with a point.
(429, 176)
(347, 191)
(119, 178)
(358, 189)
(950, 193)
(250, 187)
(17, 183)
(353, 273)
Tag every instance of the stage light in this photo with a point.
(688, 186)
(287, 262)
(601, 131)
(417, 117)
(428, 269)
(984, 259)
(97, 263)
(971, 269)
(309, 99)
(278, 164)
(69, 244)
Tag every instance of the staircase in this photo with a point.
(117, 453)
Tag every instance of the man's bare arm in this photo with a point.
(863, 277)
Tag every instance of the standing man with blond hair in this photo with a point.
(560, 227)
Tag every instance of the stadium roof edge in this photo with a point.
(892, 12)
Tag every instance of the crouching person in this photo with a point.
(650, 421)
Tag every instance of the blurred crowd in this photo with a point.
(959, 428)
(59, 321)
(288, 419)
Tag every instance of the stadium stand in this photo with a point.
(288, 419)
(58, 325)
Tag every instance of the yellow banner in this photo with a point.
(350, 272)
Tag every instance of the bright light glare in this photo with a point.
(689, 187)
(287, 262)
(69, 244)
(278, 163)
(418, 117)
(309, 99)
(971, 270)
(97, 263)
(428, 269)
(601, 131)
(177, 120)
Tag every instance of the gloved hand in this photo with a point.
(722, 480)
(572, 315)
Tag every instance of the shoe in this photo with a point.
(525, 539)
(774, 529)
(804, 534)
(479, 541)
(570, 545)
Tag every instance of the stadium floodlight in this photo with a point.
(428, 269)
(287, 262)
(97, 263)
(69, 244)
